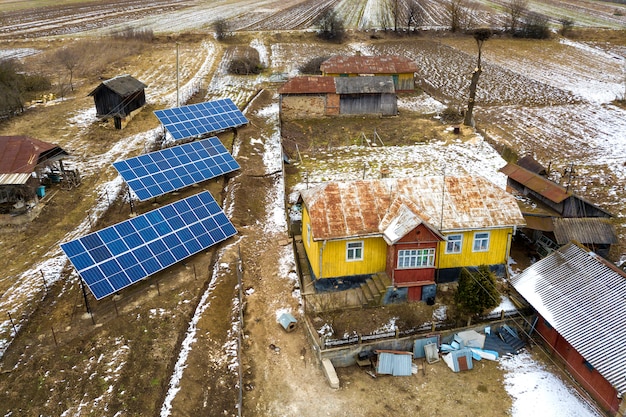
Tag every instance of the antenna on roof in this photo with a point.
(443, 196)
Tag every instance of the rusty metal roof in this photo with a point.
(340, 210)
(543, 186)
(123, 85)
(308, 85)
(597, 230)
(365, 85)
(360, 64)
(582, 296)
(531, 164)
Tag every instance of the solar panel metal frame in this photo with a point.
(202, 118)
(122, 254)
(157, 173)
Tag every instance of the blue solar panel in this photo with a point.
(200, 119)
(171, 169)
(120, 255)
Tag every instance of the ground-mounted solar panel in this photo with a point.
(120, 255)
(202, 118)
(157, 173)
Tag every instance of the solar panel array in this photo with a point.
(120, 255)
(157, 173)
(202, 118)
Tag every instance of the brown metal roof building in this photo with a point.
(314, 96)
(357, 208)
(400, 68)
(22, 163)
(19, 155)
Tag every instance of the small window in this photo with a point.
(453, 244)
(354, 251)
(481, 242)
(416, 258)
(588, 365)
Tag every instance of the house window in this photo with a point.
(308, 233)
(588, 365)
(453, 244)
(416, 258)
(354, 251)
(481, 242)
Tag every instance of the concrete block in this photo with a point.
(331, 375)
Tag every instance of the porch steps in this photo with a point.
(373, 289)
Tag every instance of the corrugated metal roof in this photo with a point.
(308, 85)
(583, 298)
(395, 364)
(543, 186)
(360, 64)
(364, 85)
(122, 85)
(20, 155)
(340, 210)
(14, 179)
(596, 230)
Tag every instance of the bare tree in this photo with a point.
(396, 14)
(480, 35)
(11, 88)
(515, 10)
(414, 15)
(331, 27)
(70, 59)
(220, 26)
(456, 10)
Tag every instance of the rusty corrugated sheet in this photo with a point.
(543, 186)
(529, 163)
(368, 65)
(341, 210)
(582, 297)
(20, 154)
(308, 85)
(597, 230)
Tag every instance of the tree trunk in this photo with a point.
(468, 121)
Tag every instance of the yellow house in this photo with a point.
(419, 231)
(401, 69)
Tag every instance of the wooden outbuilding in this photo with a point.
(581, 315)
(401, 69)
(119, 98)
(555, 215)
(25, 165)
(316, 96)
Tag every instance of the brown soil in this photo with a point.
(120, 358)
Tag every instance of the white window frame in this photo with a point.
(454, 245)
(354, 250)
(416, 258)
(481, 242)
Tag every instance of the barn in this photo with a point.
(401, 69)
(316, 96)
(24, 163)
(580, 316)
(119, 98)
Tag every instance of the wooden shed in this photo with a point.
(401, 69)
(119, 98)
(315, 96)
(25, 163)
(367, 95)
